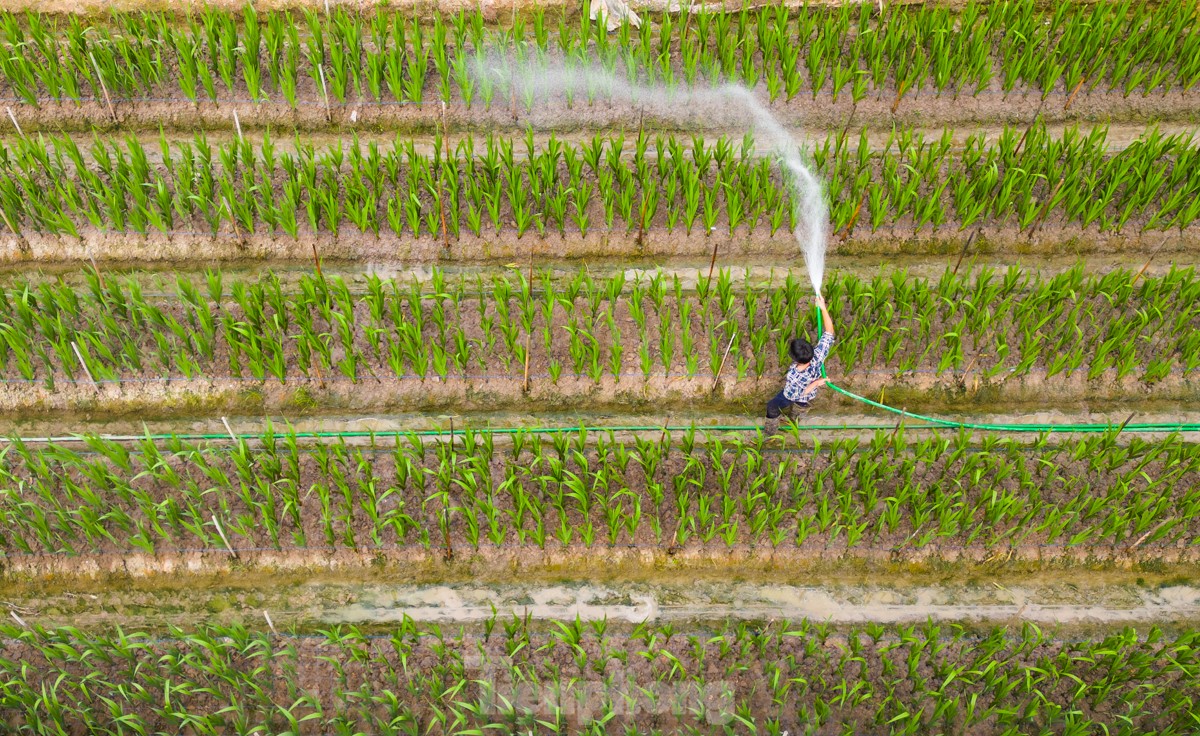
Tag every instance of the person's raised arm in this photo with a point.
(827, 322)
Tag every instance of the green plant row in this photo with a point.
(1024, 179)
(583, 491)
(991, 326)
(595, 678)
(342, 58)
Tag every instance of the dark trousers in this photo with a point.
(778, 404)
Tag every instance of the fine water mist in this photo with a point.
(730, 106)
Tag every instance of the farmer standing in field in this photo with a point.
(804, 377)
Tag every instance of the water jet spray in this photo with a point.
(731, 105)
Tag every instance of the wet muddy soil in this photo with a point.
(1078, 598)
(158, 399)
(990, 107)
(1052, 240)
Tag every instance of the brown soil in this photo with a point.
(1052, 239)
(991, 107)
(582, 563)
(926, 393)
(1118, 137)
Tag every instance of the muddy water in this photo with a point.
(1060, 603)
(1071, 600)
(158, 279)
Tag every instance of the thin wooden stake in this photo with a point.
(899, 94)
(1037, 223)
(1073, 93)
(103, 88)
(853, 218)
(232, 218)
(966, 245)
(1138, 275)
(82, 362)
(229, 429)
(1147, 535)
(16, 125)
(317, 261)
(325, 93)
(270, 623)
(18, 619)
(1123, 425)
(99, 276)
(712, 263)
(237, 124)
(446, 536)
(725, 357)
(224, 539)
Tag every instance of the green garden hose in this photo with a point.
(1030, 427)
(928, 423)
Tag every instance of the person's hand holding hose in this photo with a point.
(826, 320)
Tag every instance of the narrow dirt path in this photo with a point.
(834, 417)
(1120, 136)
(1065, 599)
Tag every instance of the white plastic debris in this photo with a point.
(614, 13)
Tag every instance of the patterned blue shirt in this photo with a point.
(796, 387)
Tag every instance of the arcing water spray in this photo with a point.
(731, 106)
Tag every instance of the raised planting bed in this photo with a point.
(1023, 190)
(530, 500)
(984, 61)
(600, 677)
(986, 337)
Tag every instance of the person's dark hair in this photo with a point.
(801, 350)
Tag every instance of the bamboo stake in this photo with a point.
(1151, 258)
(1073, 93)
(966, 245)
(224, 539)
(99, 276)
(725, 357)
(325, 93)
(899, 424)
(237, 124)
(712, 263)
(1123, 424)
(18, 619)
(270, 623)
(446, 536)
(1037, 223)
(899, 94)
(16, 125)
(1146, 536)
(853, 218)
(232, 218)
(82, 362)
(317, 261)
(103, 87)
(229, 429)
